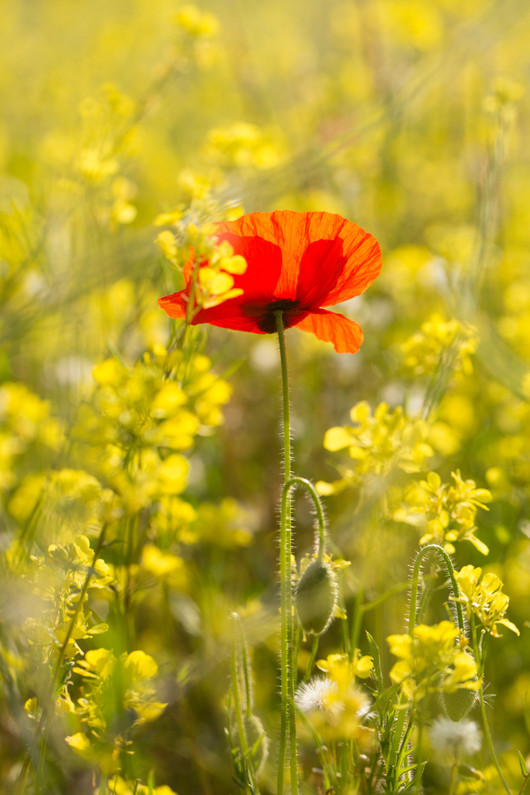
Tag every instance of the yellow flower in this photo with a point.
(378, 443)
(437, 341)
(447, 511)
(432, 661)
(482, 596)
(336, 702)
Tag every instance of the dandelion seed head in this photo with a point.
(318, 695)
(455, 739)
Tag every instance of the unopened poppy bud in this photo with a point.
(316, 597)
(456, 705)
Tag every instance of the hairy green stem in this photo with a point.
(412, 616)
(295, 480)
(415, 584)
(288, 717)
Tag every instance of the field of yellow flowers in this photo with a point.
(240, 552)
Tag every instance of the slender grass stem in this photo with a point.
(312, 655)
(452, 785)
(288, 717)
(524, 785)
(239, 708)
(489, 741)
(485, 722)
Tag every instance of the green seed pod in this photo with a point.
(316, 597)
(456, 705)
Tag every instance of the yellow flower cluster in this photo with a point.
(55, 580)
(196, 22)
(25, 424)
(195, 38)
(447, 510)
(187, 248)
(62, 504)
(139, 422)
(120, 786)
(112, 686)
(242, 145)
(503, 98)
(432, 660)
(379, 443)
(94, 158)
(439, 343)
(481, 595)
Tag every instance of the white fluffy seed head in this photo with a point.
(318, 695)
(452, 740)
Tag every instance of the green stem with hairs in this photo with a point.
(291, 483)
(415, 584)
(288, 717)
(413, 609)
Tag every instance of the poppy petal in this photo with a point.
(346, 335)
(264, 265)
(231, 314)
(340, 265)
(325, 259)
(363, 265)
(174, 305)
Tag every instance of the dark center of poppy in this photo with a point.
(267, 322)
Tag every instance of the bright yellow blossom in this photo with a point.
(482, 596)
(432, 661)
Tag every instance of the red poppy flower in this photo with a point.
(297, 262)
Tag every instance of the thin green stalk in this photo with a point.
(418, 776)
(238, 709)
(489, 741)
(288, 717)
(357, 620)
(312, 655)
(452, 785)
(402, 586)
(485, 722)
(241, 645)
(298, 637)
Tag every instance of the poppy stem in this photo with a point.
(288, 717)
